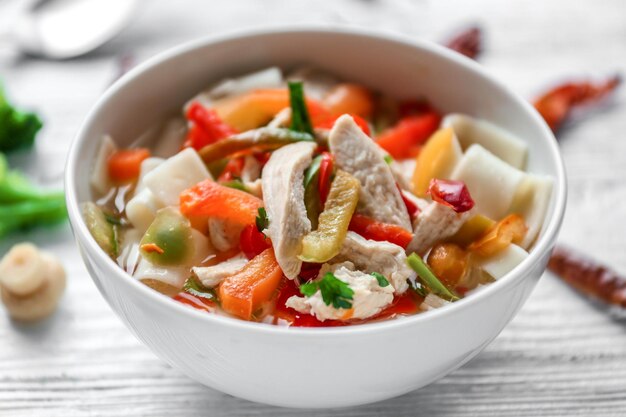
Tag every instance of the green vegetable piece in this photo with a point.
(429, 279)
(102, 231)
(237, 184)
(388, 159)
(17, 129)
(382, 281)
(29, 214)
(193, 287)
(300, 120)
(168, 241)
(334, 291)
(4, 166)
(324, 243)
(262, 221)
(312, 200)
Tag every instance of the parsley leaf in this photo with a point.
(334, 291)
(388, 159)
(309, 289)
(300, 120)
(382, 281)
(193, 287)
(262, 222)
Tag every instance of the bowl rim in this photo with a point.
(512, 278)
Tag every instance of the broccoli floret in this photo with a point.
(17, 128)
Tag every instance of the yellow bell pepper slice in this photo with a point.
(436, 160)
(323, 244)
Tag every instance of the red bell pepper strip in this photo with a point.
(232, 170)
(206, 127)
(325, 177)
(411, 207)
(373, 230)
(405, 139)
(252, 242)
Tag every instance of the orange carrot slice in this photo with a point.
(210, 199)
(242, 293)
(124, 165)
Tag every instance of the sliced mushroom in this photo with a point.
(31, 282)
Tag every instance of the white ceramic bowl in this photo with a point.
(313, 367)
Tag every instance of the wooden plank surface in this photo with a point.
(560, 356)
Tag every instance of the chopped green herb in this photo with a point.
(382, 281)
(17, 129)
(334, 291)
(429, 279)
(237, 184)
(300, 120)
(309, 288)
(388, 159)
(193, 287)
(262, 222)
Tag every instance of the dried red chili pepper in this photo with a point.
(469, 42)
(453, 194)
(556, 105)
(588, 276)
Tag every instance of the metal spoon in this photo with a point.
(61, 29)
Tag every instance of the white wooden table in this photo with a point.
(560, 356)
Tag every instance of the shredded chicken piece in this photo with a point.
(382, 257)
(435, 223)
(358, 155)
(212, 276)
(369, 297)
(283, 192)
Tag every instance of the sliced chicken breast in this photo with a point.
(435, 223)
(283, 192)
(358, 155)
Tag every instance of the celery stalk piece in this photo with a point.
(325, 242)
(429, 279)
